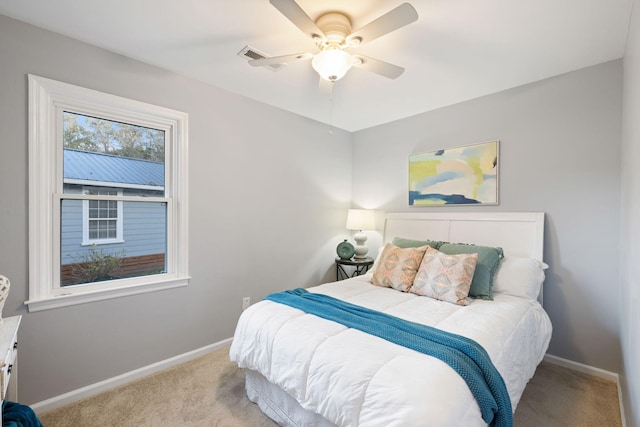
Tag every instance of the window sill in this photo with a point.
(100, 242)
(51, 301)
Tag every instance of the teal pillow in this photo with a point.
(488, 262)
(401, 242)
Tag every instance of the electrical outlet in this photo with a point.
(246, 302)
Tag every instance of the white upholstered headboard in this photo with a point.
(517, 233)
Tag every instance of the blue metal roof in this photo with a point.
(99, 167)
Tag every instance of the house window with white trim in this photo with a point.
(101, 219)
(108, 196)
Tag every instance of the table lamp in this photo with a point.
(360, 219)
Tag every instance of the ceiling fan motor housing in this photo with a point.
(335, 25)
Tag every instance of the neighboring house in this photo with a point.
(131, 230)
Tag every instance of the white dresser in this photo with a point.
(9, 357)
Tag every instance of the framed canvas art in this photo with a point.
(465, 175)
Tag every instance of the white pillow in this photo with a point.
(521, 277)
(377, 260)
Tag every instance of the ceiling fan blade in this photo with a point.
(376, 66)
(390, 21)
(295, 14)
(284, 59)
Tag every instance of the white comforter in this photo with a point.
(355, 379)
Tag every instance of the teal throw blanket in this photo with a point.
(464, 355)
(16, 415)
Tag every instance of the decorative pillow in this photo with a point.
(397, 267)
(520, 277)
(488, 263)
(445, 277)
(401, 242)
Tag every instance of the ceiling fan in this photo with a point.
(334, 38)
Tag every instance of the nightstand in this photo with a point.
(361, 266)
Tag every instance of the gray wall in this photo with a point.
(559, 154)
(268, 197)
(630, 295)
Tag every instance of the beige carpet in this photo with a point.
(558, 396)
(209, 391)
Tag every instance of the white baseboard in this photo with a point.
(93, 389)
(580, 367)
(590, 370)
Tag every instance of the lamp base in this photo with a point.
(361, 249)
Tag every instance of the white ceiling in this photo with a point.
(457, 50)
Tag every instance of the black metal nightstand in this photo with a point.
(361, 266)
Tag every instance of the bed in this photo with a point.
(306, 370)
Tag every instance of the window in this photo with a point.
(108, 196)
(101, 219)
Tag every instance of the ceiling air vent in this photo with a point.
(250, 53)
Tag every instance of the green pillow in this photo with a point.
(488, 263)
(401, 242)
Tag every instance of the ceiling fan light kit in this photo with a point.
(333, 36)
(332, 63)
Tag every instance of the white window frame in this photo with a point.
(47, 100)
(86, 240)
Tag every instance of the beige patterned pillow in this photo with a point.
(397, 267)
(445, 277)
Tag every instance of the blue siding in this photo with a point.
(71, 231)
(145, 226)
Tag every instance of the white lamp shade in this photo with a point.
(360, 219)
(332, 63)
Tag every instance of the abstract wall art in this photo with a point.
(465, 175)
